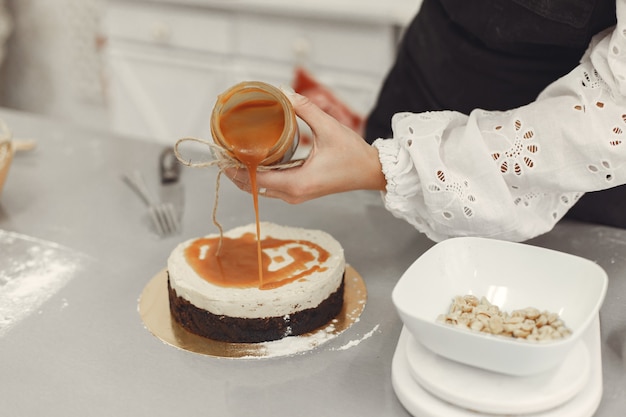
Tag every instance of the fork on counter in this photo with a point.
(163, 215)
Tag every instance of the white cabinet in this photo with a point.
(167, 61)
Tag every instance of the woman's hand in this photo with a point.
(340, 160)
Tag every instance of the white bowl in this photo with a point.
(511, 276)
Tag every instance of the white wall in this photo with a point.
(53, 62)
(52, 66)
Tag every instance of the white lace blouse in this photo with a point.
(513, 174)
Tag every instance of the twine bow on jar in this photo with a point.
(253, 126)
(222, 159)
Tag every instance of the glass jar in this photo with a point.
(247, 95)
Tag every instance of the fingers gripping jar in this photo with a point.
(255, 123)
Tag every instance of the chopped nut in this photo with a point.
(481, 315)
(477, 325)
(514, 319)
(520, 333)
(495, 325)
(532, 313)
(542, 320)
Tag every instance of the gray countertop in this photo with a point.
(80, 347)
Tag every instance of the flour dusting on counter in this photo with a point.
(31, 271)
(300, 344)
(355, 342)
(293, 345)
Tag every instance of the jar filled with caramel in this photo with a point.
(254, 122)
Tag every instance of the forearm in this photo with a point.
(512, 175)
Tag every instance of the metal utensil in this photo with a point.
(171, 190)
(169, 167)
(163, 215)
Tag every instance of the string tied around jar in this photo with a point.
(222, 159)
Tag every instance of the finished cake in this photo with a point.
(226, 297)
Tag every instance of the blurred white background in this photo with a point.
(52, 62)
(153, 68)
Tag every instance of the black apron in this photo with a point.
(494, 55)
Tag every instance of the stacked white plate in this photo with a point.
(429, 385)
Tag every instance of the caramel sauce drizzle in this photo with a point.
(252, 129)
(236, 266)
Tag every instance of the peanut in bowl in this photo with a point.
(512, 277)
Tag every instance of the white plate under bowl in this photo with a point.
(473, 388)
(421, 403)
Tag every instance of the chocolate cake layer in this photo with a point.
(253, 330)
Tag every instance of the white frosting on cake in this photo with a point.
(301, 294)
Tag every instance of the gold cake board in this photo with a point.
(155, 312)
